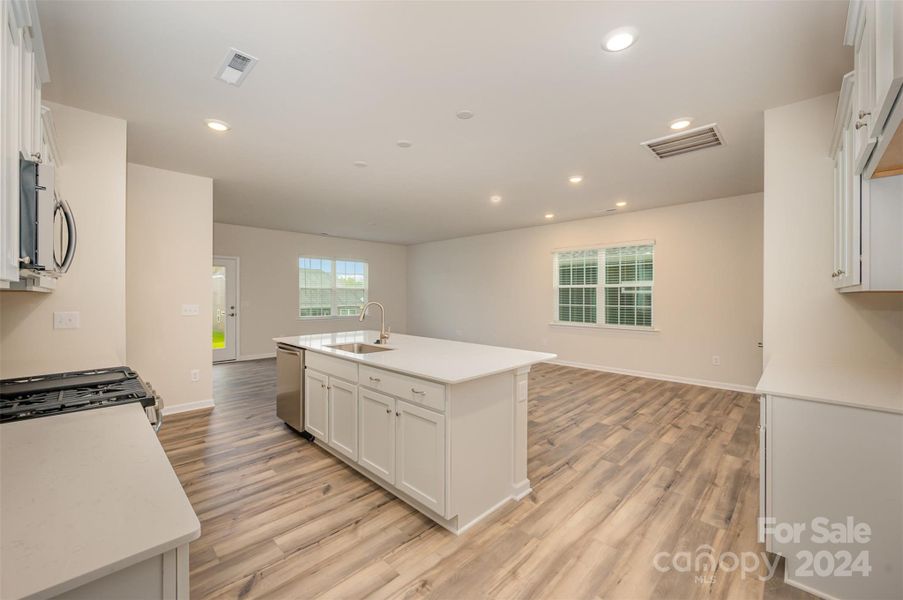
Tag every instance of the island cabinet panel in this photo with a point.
(316, 404)
(343, 417)
(413, 389)
(330, 365)
(420, 455)
(377, 439)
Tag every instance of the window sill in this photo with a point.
(605, 327)
(330, 318)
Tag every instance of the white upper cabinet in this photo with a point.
(23, 70)
(875, 31)
(861, 35)
(867, 149)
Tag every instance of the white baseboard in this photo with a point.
(721, 385)
(187, 406)
(255, 356)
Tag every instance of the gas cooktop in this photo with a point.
(60, 393)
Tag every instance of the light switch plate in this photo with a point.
(191, 310)
(66, 320)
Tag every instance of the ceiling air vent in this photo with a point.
(708, 136)
(235, 67)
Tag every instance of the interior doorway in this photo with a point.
(225, 308)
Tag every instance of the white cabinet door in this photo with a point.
(343, 417)
(420, 455)
(847, 213)
(864, 97)
(377, 427)
(316, 404)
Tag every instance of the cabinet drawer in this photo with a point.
(412, 389)
(343, 369)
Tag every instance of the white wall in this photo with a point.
(93, 180)
(497, 289)
(268, 275)
(804, 317)
(170, 249)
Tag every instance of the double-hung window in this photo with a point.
(331, 288)
(605, 286)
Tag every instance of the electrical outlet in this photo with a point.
(716, 361)
(195, 374)
(66, 320)
(191, 310)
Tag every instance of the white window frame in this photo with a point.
(334, 307)
(600, 288)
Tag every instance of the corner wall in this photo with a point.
(268, 278)
(92, 178)
(170, 249)
(497, 289)
(805, 318)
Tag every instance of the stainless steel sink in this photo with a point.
(358, 348)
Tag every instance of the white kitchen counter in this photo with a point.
(83, 495)
(859, 386)
(445, 361)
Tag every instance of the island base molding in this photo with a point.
(519, 492)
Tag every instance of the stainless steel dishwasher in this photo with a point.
(290, 386)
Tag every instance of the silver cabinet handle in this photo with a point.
(418, 392)
(375, 379)
(860, 124)
(323, 386)
(841, 272)
(834, 274)
(388, 411)
(397, 413)
(864, 113)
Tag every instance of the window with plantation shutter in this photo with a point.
(605, 286)
(331, 288)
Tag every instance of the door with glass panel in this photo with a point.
(225, 308)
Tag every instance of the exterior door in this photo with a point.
(225, 308)
(316, 403)
(377, 440)
(343, 417)
(420, 455)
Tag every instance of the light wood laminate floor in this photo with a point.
(622, 468)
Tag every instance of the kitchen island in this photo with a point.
(441, 424)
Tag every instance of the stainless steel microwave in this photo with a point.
(47, 234)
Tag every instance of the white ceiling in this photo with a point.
(341, 82)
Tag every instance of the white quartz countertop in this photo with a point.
(445, 361)
(83, 495)
(872, 387)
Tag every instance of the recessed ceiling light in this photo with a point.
(495, 199)
(575, 178)
(620, 204)
(550, 215)
(681, 123)
(404, 143)
(620, 39)
(217, 125)
(464, 114)
(360, 163)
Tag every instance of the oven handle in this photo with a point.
(158, 409)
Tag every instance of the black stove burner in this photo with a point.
(45, 395)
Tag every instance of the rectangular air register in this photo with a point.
(708, 136)
(235, 67)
